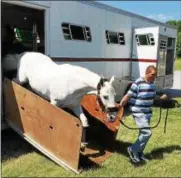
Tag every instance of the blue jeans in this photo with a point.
(144, 134)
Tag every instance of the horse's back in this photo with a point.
(37, 64)
(71, 83)
(35, 58)
(39, 70)
(77, 72)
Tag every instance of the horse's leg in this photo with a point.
(79, 112)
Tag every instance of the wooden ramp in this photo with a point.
(43, 125)
(53, 131)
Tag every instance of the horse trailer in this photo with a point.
(104, 39)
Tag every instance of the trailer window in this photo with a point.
(115, 38)
(145, 39)
(171, 43)
(75, 32)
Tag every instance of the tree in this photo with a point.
(177, 23)
(179, 26)
(172, 22)
(178, 45)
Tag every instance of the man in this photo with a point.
(140, 97)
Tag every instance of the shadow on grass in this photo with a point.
(12, 145)
(86, 164)
(159, 152)
(120, 147)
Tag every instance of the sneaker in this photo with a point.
(142, 157)
(134, 157)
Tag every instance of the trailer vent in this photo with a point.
(163, 44)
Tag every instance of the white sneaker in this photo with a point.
(134, 156)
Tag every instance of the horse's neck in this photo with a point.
(94, 80)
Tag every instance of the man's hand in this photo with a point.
(164, 97)
(120, 105)
(124, 100)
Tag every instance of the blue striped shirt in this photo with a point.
(142, 94)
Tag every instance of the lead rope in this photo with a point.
(135, 128)
(166, 121)
(176, 105)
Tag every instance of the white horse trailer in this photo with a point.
(109, 41)
(106, 40)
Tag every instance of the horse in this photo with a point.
(63, 85)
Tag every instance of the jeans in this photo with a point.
(144, 134)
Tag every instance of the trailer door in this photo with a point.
(144, 49)
(161, 65)
(166, 60)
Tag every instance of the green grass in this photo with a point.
(177, 64)
(21, 159)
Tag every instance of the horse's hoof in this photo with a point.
(83, 146)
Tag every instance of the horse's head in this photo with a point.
(106, 97)
(106, 93)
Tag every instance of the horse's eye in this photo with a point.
(105, 97)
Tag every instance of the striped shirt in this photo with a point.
(142, 94)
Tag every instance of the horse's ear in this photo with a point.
(102, 76)
(111, 80)
(102, 81)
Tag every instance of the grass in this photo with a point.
(177, 64)
(19, 159)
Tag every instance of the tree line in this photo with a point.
(177, 23)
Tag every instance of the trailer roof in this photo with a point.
(120, 11)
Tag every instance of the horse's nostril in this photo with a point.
(111, 118)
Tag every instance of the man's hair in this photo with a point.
(150, 68)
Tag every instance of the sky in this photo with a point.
(157, 10)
